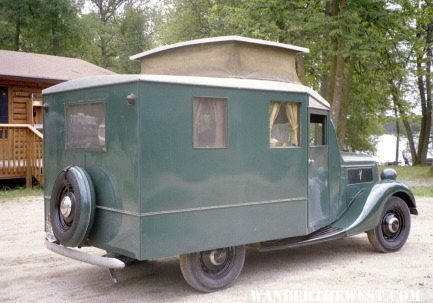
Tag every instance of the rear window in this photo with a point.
(85, 126)
(210, 122)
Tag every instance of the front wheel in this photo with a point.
(211, 270)
(393, 229)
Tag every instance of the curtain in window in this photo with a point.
(273, 113)
(197, 114)
(292, 117)
(218, 108)
(210, 123)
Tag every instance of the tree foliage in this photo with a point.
(370, 59)
(105, 32)
(360, 58)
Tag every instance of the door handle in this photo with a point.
(310, 161)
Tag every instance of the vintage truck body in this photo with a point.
(152, 166)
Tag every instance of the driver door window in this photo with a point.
(317, 131)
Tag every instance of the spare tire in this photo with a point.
(72, 206)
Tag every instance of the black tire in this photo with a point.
(393, 229)
(72, 206)
(211, 270)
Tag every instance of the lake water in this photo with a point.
(385, 148)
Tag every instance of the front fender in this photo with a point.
(365, 212)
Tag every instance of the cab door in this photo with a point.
(318, 155)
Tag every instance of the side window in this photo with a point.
(209, 122)
(283, 124)
(317, 129)
(85, 126)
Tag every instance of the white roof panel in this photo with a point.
(250, 84)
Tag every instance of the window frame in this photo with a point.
(325, 139)
(299, 128)
(66, 126)
(225, 122)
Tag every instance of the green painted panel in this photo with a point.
(175, 176)
(171, 234)
(318, 188)
(116, 232)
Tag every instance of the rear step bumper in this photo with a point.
(107, 262)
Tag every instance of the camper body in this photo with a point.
(153, 166)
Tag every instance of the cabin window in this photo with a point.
(85, 126)
(283, 124)
(317, 130)
(210, 122)
(4, 110)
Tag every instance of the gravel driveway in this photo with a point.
(31, 273)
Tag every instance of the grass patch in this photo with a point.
(422, 191)
(412, 172)
(7, 193)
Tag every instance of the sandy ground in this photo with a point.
(31, 273)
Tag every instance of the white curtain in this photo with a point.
(197, 113)
(292, 117)
(218, 108)
(273, 113)
(210, 122)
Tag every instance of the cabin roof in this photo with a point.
(294, 48)
(21, 65)
(249, 84)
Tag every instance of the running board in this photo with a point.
(322, 235)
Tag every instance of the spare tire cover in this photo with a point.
(72, 206)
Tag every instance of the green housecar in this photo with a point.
(215, 147)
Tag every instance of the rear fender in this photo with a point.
(365, 212)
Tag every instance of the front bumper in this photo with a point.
(107, 262)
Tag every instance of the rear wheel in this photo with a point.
(211, 270)
(393, 229)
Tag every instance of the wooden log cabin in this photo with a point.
(23, 76)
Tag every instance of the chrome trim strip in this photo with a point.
(357, 165)
(195, 209)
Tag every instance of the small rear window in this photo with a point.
(210, 122)
(85, 126)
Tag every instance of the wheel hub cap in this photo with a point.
(66, 206)
(391, 224)
(217, 257)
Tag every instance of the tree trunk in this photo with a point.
(339, 91)
(397, 128)
(344, 110)
(409, 138)
(336, 85)
(426, 109)
(425, 91)
(17, 34)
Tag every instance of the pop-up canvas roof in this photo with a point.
(224, 57)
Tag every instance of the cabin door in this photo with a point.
(4, 108)
(318, 189)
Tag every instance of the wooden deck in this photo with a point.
(21, 153)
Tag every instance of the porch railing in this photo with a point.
(21, 153)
